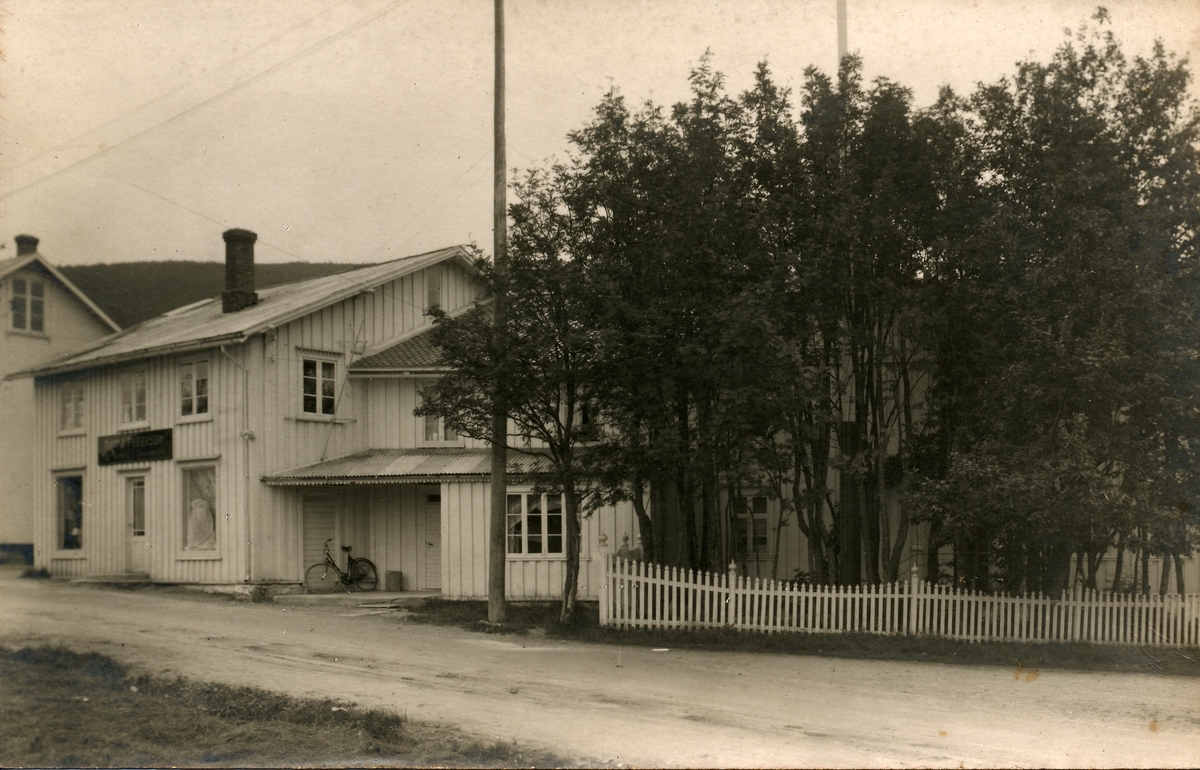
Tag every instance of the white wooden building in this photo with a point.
(225, 441)
(45, 317)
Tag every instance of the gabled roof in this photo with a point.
(417, 353)
(405, 466)
(14, 264)
(203, 324)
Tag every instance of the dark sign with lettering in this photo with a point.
(135, 447)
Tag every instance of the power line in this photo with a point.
(79, 138)
(235, 87)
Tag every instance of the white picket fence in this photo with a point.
(639, 595)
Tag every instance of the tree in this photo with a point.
(1066, 382)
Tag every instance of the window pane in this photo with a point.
(760, 535)
(36, 314)
(760, 505)
(554, 524)
(310, 368)
(37, 289)
(327, 370)
(533, 524)
(514, 524)
(18, 312)
(432, 428)
(200, 509)
(66, 407)
(185, 389)
(137, 505)
(70, 511)
(433, 285)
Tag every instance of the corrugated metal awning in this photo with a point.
(404, 466)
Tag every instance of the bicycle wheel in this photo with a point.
(362, 575)
(321, 579)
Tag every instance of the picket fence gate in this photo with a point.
(639, 595)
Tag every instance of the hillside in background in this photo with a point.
(131, 292)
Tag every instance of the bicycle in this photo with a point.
(326, 576)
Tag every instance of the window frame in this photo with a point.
(447, 436)
(185, 400)
(430, 300)
(74, 392)
(745, 539)
(29, 298)
(139, 420)
(187, 550)
(60, 543)
(545, 532)
(319, 360)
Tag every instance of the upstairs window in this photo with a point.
(433, 287)
(437, 431)
(319, 386)
(535, 523)
(28, 305)
(70, 406)
(193, 388)
(133, 397)
(750, 525)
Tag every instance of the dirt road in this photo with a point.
(674, 708)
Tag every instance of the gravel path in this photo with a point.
(632, 706)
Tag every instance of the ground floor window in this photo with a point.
(200, 508)
(750, 525)
(69, 491)
(535, 523)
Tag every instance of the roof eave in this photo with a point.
(398, 371)
(134, 355)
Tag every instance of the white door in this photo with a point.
(433, 542)
(135, 515)
(320, 524)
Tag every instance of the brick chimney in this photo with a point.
(26, 244)
(239, 271)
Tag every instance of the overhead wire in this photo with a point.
(232, 89)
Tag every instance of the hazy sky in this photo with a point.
(360, 130)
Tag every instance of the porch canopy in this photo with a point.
(404, 466)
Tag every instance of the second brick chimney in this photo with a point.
(26, 244)
(239, 271)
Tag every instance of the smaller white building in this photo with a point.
(45, 317)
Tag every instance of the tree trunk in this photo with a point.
(572, 537)
(1120, 564)
(645, 525)
(1164, 579)
(1179, 574)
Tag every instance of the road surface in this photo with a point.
(633, 705)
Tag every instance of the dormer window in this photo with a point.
(28, 305)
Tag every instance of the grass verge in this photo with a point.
(62, 709)
(1021, 656)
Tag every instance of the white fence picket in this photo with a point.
(640, 595)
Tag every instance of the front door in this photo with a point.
(320, 524)
(135, 514)
(433, 542)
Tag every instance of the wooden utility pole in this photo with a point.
(497, 610)
(843, 43)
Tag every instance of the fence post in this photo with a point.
(604, 590)
(910, 625)
(732, 597)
